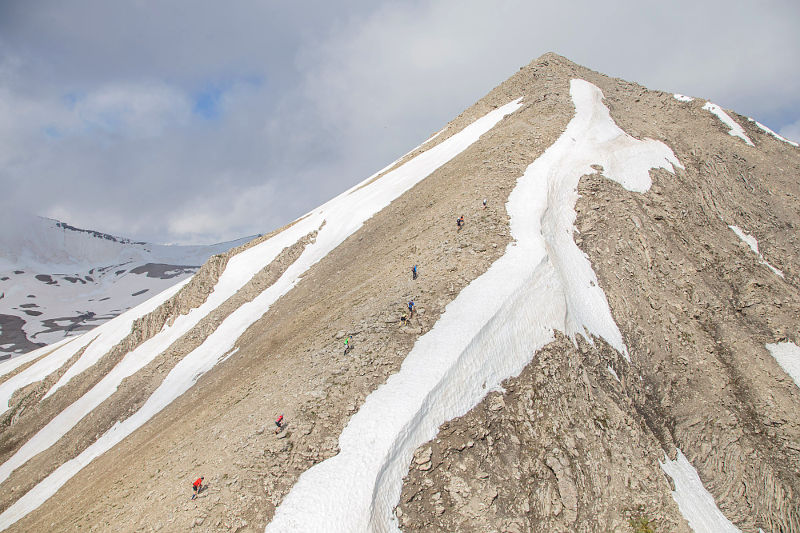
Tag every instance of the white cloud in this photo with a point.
(317, 96)
(200, 219)
(133, 110)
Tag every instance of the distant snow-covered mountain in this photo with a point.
(57, 280)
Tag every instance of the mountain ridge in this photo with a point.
(48, 244)
(693, 303)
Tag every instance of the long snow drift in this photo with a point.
(735, 129)
(488, 333)
(751, 241)
(335, 221)
(696, 504)
(770, 132)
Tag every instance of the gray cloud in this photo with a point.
(193, 122)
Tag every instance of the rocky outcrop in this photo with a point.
(561, 449)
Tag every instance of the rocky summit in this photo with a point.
(607, 341)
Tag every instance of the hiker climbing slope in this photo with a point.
(348, 344)
(197, 486)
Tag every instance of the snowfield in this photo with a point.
(334, 221)
(9, 365)
(735, 129)
(99, 341)
(696, 504)
(487, 334)
(751, 241)
(59, 281)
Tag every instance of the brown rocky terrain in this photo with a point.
(566, 447)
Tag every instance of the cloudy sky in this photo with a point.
(196, 121)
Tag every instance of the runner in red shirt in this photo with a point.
(197, 486)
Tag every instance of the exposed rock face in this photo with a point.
(574, 442)
(563, 449)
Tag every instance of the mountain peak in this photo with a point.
(593, 309)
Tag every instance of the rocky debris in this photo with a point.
(11, 333)
(423, 459)
(697, 307)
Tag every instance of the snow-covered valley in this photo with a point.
(57, 280)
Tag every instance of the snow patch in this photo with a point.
(696, 504)
(488, 333)
(682, 98)
(753, 244)
(767, 130)
(787, 354)
(735, 129)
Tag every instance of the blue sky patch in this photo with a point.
(207, 101)
(51, 132)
